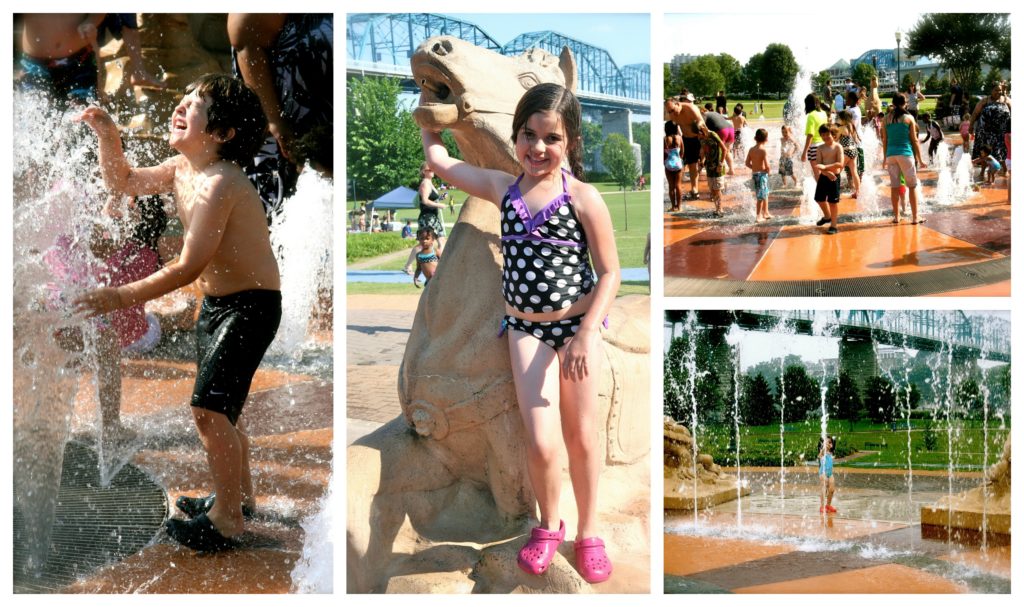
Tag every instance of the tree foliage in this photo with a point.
(702, 76)
(617, 158)
(383, 143)
(778, 69)
(751, 76)
(757, 405)
(843, 397)
(963, 41)
(707, 393)
(732, 72)
(880, 399)
(820, 82)
(803, 392)
(642, 137)
(592, 137)
(862, 74)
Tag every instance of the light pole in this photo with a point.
(899, 38)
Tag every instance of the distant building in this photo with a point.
(679, 60)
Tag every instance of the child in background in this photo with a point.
(987, 162)
(786, 151)
(757, 161)
(826, 455)
(739, 121)
(932, 134)
(849, 139)
(713, 153)
(965, 132)
(425, 254)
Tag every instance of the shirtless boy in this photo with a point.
(58, 54)
(682, 111)
(829, 164)
(218, 124)
(757, 162)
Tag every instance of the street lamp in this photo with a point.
(899, 38)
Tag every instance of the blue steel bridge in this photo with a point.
(965, 336)
(381, 44)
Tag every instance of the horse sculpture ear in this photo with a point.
(567, 64)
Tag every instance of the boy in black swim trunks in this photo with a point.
(829, 164)
(218, 125)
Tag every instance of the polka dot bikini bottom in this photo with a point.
(554, 333)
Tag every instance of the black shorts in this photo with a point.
(232, 334)
(827, 189)
(691, 150)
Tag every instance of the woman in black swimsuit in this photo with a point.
(430, 210)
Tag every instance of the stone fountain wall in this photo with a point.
(712, 485)
(982, 509)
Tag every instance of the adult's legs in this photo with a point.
(535, 370)
(579, 430)
(224, 455)
(694, 170)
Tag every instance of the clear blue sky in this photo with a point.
(625, 36)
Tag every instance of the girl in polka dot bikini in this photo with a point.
(552, 225)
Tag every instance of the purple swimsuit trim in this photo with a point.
(535, 238)
(542, 216)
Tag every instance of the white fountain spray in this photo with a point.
(733, 338)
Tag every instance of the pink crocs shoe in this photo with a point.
(538, 553)
(592, 561)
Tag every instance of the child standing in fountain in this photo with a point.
(555, 305)
(786, 151)
(218, 125)
(828, 165)
(713, 153)
(828, 481)
(757, 161)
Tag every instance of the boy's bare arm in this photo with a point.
(120, 176)
(210, 213)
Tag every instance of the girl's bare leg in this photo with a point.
(579, 430)
(535, 369)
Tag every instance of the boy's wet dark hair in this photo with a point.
(317, 147)
(560, 100)
(233, 105)
(426, 231)
(831, 129)
(709, 106)
(986, 150)
(671, 128)
(926, 116)
(738, 109)
(760, 135)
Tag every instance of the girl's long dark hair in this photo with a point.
(899, 107)
(555, 98)
(811, 103)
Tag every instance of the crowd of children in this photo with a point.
(833, 146)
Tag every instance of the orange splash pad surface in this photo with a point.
(289, 420)
(789, 554)
(699, 245)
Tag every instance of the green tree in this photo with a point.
(674, 380)
(642, 137)
(820, 82)
(751, 76)
(803, 392)
(932, 85)
(962, 41)
(706, 388)
(908, 80)
(668, 81)
(880, 399)
(702, 76)
(778, 69)
(843, 398)
(757, 405)
(617, 158)
(862, 73)
(592, 137)
(967, 396)
(732, 71)
(383, 143)
(992, 78)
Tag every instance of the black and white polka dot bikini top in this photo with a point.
(547, 263)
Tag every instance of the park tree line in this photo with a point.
(793, 387)
(384, 150)
(770, 72)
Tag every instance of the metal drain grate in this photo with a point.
(94, 526)
(928, 282)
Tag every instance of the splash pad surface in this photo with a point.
(962, 249)
(873, 544)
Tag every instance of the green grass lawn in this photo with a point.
(773, 108)
(634, 211)
(760, 444)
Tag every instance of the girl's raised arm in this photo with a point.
(488, 184)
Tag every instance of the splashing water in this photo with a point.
(302, 240)
(314, 572)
